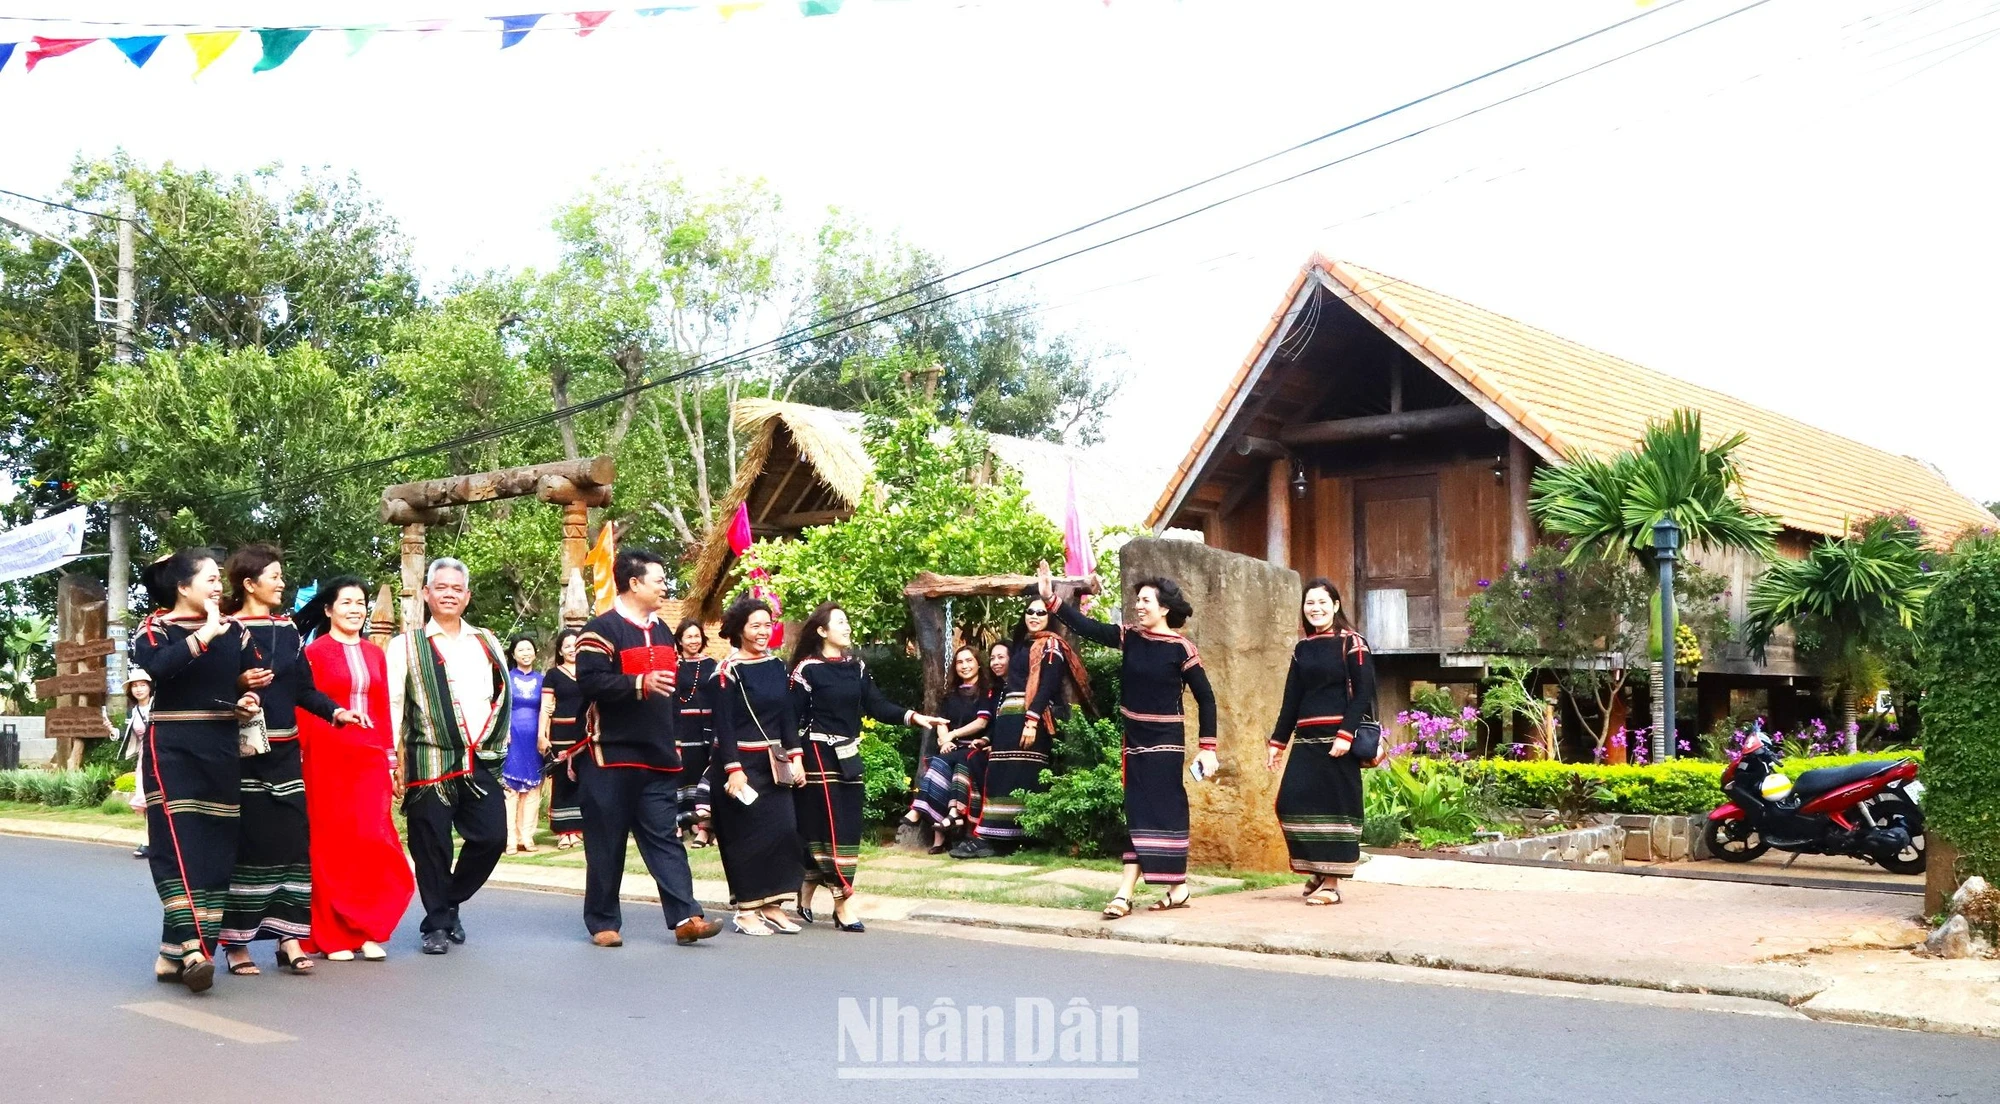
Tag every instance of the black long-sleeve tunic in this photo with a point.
(634, 727)
(274, 645)
(1331, 683)
(194, 684)
(753, 706)
(1155, 668)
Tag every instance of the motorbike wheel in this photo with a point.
(1735, 841)
(1895, 809)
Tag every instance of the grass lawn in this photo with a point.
(120, 817)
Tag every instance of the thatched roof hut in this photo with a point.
(806, 466)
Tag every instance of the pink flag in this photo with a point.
(1077, 558)
(46, 48)
(739, 530)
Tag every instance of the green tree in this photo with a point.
(192, 439)
(932, 506)
(1849, 600)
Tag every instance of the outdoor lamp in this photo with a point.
(1298, 478)
(1666, 538)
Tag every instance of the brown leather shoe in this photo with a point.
(694, 929)
(608, 939)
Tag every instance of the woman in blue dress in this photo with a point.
(521, 771)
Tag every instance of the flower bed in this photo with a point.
(1682, 787)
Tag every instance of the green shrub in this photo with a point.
(86, 787)
(1680, 787)
(1961, 640)
(1083, 810)
(116, 805)
(886, 779)
(126, 783)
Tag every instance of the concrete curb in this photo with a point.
(1785, 985)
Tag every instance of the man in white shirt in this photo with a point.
(448, 705)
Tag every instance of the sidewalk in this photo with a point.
(1832, 954)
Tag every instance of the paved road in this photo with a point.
(528, 1012)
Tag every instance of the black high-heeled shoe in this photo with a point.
(301, 964)
(847, 925)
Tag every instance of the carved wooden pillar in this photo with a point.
(413, 577)
(1520, 526)
(382, 618)
(575, 537)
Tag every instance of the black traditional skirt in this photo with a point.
(1156, 808)
(759, 842)
(694, 768)
(1319, 808)
(1010, 767)
(192, 813)
(270, 891)
(565, 805)
(829, 814)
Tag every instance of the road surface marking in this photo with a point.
(235, 1031)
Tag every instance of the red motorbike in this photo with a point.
(1867, 811)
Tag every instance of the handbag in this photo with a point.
(1366, 746)
(783, 772)
(252, 738)
(847, 756)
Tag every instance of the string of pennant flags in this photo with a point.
(278, 44)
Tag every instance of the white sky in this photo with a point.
(1795, 205)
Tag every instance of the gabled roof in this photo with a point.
(1562, 397)
(1110, 490)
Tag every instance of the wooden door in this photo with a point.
(1396, 562)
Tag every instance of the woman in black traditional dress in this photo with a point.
(1157, 662)
(562, 727)
(270, 892)
(1023, 726)
(756, 735)
(834, 691)
(1330, 687)
(968, 711)
(695, 736)
(190, 768)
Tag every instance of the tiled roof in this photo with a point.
(1575, 398)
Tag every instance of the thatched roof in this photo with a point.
(806, 466)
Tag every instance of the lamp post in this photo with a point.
(1666, 542)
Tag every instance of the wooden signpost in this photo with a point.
(78, 686)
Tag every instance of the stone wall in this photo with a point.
(1245, 623)
(1603, 845)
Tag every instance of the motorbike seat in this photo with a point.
(1826, 779)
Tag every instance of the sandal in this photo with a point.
(1120, 907)
(298, 963)
(1312, 884)
(243, 967)
(166, 971)
(1166, 903)
(1327, 896)
(197, 973)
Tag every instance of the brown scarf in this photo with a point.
(1038, 651)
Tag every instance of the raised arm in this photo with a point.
(1088, 627)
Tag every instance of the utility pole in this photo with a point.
(118, 581)
(1666, 543)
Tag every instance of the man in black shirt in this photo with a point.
(627, 768)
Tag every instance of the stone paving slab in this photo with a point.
(1082, 879)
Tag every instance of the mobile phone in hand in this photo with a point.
(747, 795)
(1196, 772)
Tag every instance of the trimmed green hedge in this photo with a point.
(1684, 787)
(1961, 637)
(81, 788)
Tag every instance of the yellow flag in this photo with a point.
(599, 561)
(209, 45)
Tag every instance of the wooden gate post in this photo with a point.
(413, 577)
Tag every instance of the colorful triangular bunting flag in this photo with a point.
(731, 11)
(587, 22)
(357, 37)
(810, 8)
(6, 51)
(138, 49)
(45, 48)
(279, 44)
(514, 28)
(209, 45)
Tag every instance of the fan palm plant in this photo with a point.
(1607, 507)
(1844, 599)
